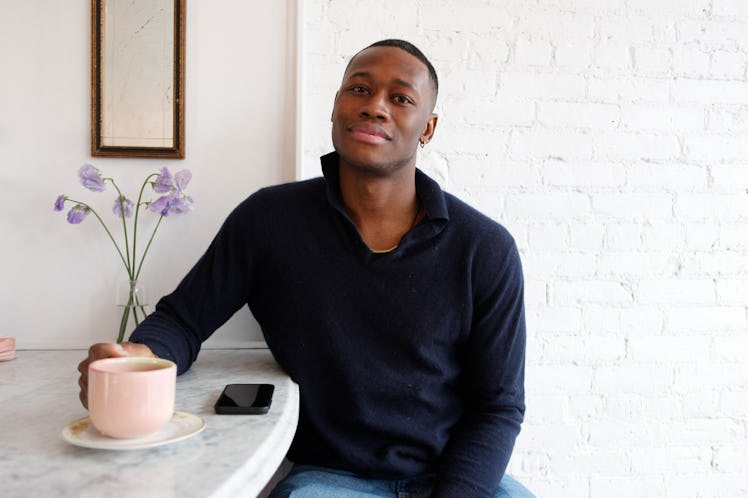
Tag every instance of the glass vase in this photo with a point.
(132, 299)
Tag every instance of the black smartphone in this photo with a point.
(238, 399)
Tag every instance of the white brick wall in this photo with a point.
(611, 138)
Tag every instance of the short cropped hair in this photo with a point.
(414, 51)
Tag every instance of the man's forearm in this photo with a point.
(478, 453)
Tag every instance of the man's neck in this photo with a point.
(383, 207)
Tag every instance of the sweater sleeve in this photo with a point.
(479, 448)
(213, 290)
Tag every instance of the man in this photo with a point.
(397, 308)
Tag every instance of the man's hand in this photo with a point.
(107, 350)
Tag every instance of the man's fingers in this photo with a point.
(95, 352)
(106, 350)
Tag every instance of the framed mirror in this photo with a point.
(137, 78)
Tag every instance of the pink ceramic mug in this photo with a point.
(131, 397)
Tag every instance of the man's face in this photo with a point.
(382, 110)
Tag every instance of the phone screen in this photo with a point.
(245, 398)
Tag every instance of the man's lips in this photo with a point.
(370, 134)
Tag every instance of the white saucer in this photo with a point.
(182, 425)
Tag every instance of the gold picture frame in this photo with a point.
(137, 78)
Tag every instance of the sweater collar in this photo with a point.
(427, 189)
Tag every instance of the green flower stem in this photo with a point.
(131, 306)
(135, 306)
(123, 323)
(124, 228)
(135, 226)
(126, 309)
(153, 234)
(116, 246)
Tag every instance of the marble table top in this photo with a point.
(236, 455)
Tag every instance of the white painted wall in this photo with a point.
(611, 138)
(57, 281)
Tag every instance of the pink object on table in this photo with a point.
(7, 348)
(7, 344)
(129, 396)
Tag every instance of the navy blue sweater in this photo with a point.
(408, 362)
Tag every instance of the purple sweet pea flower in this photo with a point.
(128, 205)
(181, 204)
(164, 182)
(182, 178)
(77, 214)
(60, 202)
(91, 178)
(172, 204)
(160, 205)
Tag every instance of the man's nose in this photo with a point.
(376, 107)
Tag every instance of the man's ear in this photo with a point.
(428, 131)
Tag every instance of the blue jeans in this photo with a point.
(306, 481)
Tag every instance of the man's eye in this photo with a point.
(359, 89)
(401, 99)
